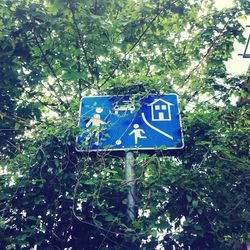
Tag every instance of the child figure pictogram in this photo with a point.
(96, 122)
(137, 133)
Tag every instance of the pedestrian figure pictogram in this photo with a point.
(137, 133)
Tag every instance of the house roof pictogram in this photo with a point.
(158, 100)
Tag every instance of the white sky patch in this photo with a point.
(51, 115)
(237, 64)
(223, 4)
(3, 170)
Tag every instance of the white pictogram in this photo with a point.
(160, 110)
(137, 133)
(118, 142)
(154, 128)
(125, 106)
(95, 122)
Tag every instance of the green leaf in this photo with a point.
(195, 203)
(17, 126)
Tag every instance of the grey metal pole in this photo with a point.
(130, 179)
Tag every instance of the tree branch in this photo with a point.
(66, 105)
(79, 70)
(81, 41)
(133, 46)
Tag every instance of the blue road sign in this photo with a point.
(115, 123)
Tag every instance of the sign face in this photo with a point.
(115, 123)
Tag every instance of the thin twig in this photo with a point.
(52, 89)
(133, 46)
(81, 41)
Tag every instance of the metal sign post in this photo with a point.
(130, 179)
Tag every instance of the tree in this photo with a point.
(53, 53)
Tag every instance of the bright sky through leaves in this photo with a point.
(54, 52)
(238, 64)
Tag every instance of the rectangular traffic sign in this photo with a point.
(119, 123)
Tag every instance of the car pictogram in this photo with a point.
(125, 106)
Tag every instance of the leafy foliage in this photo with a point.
(53, 53)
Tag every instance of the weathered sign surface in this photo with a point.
(115, 123)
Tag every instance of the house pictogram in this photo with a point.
(160, 110)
